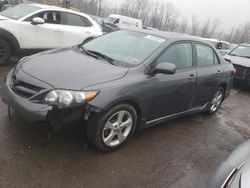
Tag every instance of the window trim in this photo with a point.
(65, 20)
(196, 57)
(173, 44)
(29, 19)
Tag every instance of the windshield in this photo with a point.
(19, 11)
(242, 51)
(126, 46)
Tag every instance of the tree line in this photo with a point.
(165, 16)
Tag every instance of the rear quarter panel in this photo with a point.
(228, 77)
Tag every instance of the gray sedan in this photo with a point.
(120, 82)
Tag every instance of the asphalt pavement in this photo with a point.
(180, 153)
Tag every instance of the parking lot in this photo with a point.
(180, 153)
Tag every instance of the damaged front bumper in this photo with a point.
(37, 112)
(29, 111)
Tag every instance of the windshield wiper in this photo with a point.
(87, 52)
(246, 57)
(96, 54)
(109, 59)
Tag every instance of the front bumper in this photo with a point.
(28, 110)
(242, 76)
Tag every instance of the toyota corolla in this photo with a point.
(119, 83)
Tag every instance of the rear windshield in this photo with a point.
(242, 51)
(19, 11)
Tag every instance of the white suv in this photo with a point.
(38, 27)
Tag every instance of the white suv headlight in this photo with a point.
(65, 98)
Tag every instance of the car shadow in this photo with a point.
(34, 135)
(242, 88)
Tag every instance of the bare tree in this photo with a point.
(245, 33)
(241, 34)
(214, 27)
(162, 15)
(100, 6)
(195, 25)
(183, 26)
(229, 36)
(169, 16)
(220, 35)
(205, 30)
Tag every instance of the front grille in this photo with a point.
(241, 71)
(24, 89)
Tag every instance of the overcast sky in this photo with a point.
(229, 12)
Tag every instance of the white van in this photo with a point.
(117, 21)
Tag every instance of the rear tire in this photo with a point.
(112, 129)
(5, 52)
(216, 102)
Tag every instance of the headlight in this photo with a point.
(64, 98)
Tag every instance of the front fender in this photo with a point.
(11, 39)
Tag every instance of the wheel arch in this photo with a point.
(9, 37)
(130, 101)
(224, 86)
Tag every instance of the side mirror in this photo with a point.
(37, 20)
(165, 68)
(228, 60)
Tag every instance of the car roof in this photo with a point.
(245, 44)
(45, 6)
(125, 17)
(170, 35)
(210, 39)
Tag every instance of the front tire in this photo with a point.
(215, 103)
(5, 52)
(112, 129)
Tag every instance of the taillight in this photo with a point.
(233, 72)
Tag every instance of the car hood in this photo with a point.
(244, 180)
(238, 60)
(240, 157)
(70, 69)
(3, 18)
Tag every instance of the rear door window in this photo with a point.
(76, 20)
(205, 55)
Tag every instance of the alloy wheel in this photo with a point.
(216, 102)
(117, 128)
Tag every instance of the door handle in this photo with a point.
(191, 77)
(219, 71)
(87, 32)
